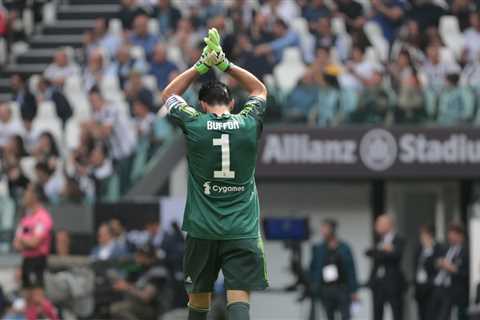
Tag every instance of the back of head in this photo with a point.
(215, 93)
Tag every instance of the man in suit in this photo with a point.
(424, 269)
(23, 97)
(387, 280)
(451, 282)
(333, 273)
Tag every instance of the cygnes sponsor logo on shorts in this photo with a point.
(209, 188)
(378, 150)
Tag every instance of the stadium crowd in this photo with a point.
(326, 63)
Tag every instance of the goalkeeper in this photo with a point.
(222, 211)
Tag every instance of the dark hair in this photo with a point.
(457, 228)
(53, 144)
(22, 152)
(215, 93)
(281, 23)
(42, 166)
(428, 228)
(332, 224)
(20, 76)
(95, 90)
(39, 192)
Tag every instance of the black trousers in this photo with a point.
(442, 303)
(381, 298)
(336, 299)
(423, 297)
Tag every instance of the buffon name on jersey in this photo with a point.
(227, 125)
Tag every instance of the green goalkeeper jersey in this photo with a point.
(222, 201)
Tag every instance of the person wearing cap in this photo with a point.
(32, 239)
(451, 283)
(333, 274)
(140, 290)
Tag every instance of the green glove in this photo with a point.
(204, 63)
(213, 45)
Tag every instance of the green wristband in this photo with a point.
(224, 65)
(201, 67)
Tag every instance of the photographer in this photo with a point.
(140, 288)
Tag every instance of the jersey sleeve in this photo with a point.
(179, 110)
(255, 107)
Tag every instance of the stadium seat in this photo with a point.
(15, 108)
(375, 36)
(153, 26)
(137, 52)
(3, 51)
(52, 125)
(307, 40)
(338, 25)
(49, 13)
(447, 56)
(28, 167)
(28, 21)
(289, 70)
(115, 26)
(72, 134)
(451, 35)
(150, 82)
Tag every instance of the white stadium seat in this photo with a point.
(375, 36)
(46, 111)
(338, 25)
(115, 26)
(451, 35)
(289, 70)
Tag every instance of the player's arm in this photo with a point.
(248, 81)
(180, 83)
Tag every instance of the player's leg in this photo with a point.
(201, 267)
(198, 305)
(238, 305)
(244, 269)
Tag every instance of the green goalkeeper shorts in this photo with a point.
(242, 262)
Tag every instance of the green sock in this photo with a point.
(197, 314)
(238, 311)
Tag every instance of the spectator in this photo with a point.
(360, 69)
(401, 69)
(387, 280)
(472, 39)
(128, 12)
(140, 291)
(101, 169)
(101, 38)
(389, 14)
(470, 76)
(136, 89)
(13, 153)
(302, 98)
(461, 9)
(352, 13)
(112, 127)
(161, 68)
(435, 70)
(124, 64)
(167, 15)
(8, 126)
(48, 92)
(95, 70)
(186, 38)
(62, 243)
(424, 269)
(316, 10)
(46, 150)
(119, 234)
(60, 69)
(425, 13)
(141, 37)
(144, 119)
(333, 274)
(451, 283)
(375, 101)
(107, 248)
(23, 97)
(287, 10)
(456, 105)
(326, 38)
(411, 101)
(284, 37)
(51, 182)
(32, 240)
(72, 191)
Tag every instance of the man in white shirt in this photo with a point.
(435, 70)
(113, 127)
(8, 126)
(60, 69)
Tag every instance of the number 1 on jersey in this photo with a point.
(224, 143)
